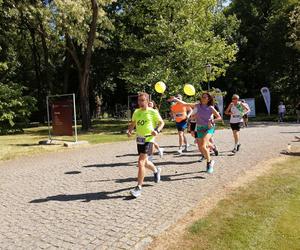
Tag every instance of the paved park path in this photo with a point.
(79, 199)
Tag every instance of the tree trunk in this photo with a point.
(84, 68)
(36, 61)
(84, 103)
(84, 81)
(67, 67)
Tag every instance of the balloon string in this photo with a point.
(160, 102)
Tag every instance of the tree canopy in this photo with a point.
(108, 49)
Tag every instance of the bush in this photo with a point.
(15, 108)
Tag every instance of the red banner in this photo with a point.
(62, 117)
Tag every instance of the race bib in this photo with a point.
(236, 116)
(140, 140)
(179, 114)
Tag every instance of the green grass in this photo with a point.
(263, 215)
(103, 131)
(13, 146)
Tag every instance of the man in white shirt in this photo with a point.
(281, 111)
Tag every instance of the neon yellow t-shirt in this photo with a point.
(146, 122)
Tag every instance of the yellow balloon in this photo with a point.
(189, 90)
(160, 87)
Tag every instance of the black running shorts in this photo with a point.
(236, 126)
(145, 148)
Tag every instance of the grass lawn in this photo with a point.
(263, 215)
(105, 130)
(16, 145)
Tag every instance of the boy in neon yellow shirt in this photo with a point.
(145, 120)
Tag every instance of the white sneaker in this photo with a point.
(136, 192)
(157, 175)
(179, 151)
(161, 152)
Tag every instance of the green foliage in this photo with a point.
(172, 41)
(73, 18)
(268, 55)
(249, 44)
(294, 26)
(14, 107)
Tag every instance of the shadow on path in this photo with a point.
(118, 156)
(290, 153)
(108, 165)
(292, 132)
(73, 172)
(163, 178)
(134, 163)
(87, 197)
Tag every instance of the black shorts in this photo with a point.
(181, 126)
(145, 148)
(245, 116)
(192, 126)
(236, 126)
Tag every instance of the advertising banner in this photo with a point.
(62, 117)
(251, 104)
(267, 97)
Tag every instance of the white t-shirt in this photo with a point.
(237, 115)
(281, 108)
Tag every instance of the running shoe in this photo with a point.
(216, 151)
(234, 150)
(157, 175)
(210, 166)
(136, 192)
(201, 159)
(179, 151)
(238, 147)
(161, 152)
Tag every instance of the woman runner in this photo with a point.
(204, 113)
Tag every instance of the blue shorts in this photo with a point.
(204, 130)
(181, 126)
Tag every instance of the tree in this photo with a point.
(265, 57)
(75, 19)
(171, 41)
(15, 108)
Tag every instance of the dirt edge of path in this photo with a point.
(175, 234)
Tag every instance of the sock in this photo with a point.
(140, 186)
(155, 171)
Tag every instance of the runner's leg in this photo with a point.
(143, 159)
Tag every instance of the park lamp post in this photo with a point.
(208, 72)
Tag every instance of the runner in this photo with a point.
(281, 111)
(145, 120)
(245, 116)
(160, 150)
(212, 145)
(181, 114)
(204, 113)
(236, 110)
